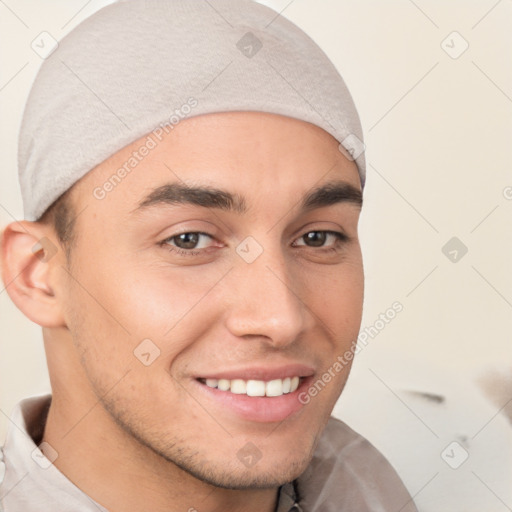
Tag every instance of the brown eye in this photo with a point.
(186, 240)
(315, 238)
(319, 238)
(189, 240)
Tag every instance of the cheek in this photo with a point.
(335, 294)
(337, 301)
(158, 301)
(127, 303)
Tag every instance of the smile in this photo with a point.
(271, 388)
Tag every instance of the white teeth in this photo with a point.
(276, 387)
(224, 384)
(212, 383)
(255, 388)
(238, 386)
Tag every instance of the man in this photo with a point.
(192, 178)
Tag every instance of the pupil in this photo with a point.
(317, 238)
(187, 240)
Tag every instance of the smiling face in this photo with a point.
(225, 266)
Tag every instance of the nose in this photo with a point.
(268, 302)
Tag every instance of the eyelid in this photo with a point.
(175, 235)
(339, 235)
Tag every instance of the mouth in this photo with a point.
(255, 400)
(255, 388)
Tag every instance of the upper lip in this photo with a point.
(261, 372)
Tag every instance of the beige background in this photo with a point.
(438, 134)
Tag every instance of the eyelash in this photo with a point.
(340, 239)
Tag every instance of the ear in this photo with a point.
(31, 259)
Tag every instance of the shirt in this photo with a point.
(346, 473)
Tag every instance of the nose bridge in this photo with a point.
(265, 302)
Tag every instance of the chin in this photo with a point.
(276, 462)
(258, 477)
(266, 470)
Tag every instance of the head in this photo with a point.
(166, 257)
(204, 307)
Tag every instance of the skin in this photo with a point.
(136, 437)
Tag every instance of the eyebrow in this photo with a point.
(210, 197)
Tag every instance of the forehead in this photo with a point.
(258, 153)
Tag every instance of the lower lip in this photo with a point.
(261, 409)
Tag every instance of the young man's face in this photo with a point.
(262, 290)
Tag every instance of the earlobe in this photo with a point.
(31, 259)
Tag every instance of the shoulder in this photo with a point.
(348, 473)
(341, 445)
